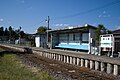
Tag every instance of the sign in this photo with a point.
(106, 40)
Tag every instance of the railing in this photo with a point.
(101, 63)
(107, 65)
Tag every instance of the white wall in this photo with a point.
(37, 41)
(41, 41)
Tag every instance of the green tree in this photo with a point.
(1, 31)
(41, 29)
(12, 33)
(6, 32)
(18, 33)
(22, 34)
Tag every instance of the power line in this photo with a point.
(38, 23)
(82, 13)
(88, 11)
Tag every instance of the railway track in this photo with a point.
(63, 71)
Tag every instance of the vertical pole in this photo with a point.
(89, 52)
(19, 36)
(48, 20)
(113, 41)
(51, 46)
(99, 50)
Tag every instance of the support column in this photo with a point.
(96, 65)
(102, 66)
(53, 56)
(67, 59)
(46, 55)
(115, 70)
(78, 61)
(56, 57)
(82, 62)
(74, 61)
(43, 54)
(109, 68)
(86, 63)
(64, 58)
(70, 60)
(40, 53)
(50, 55)
(59, 57)
(91, 64)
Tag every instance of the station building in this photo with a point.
(41, 40)
(75, 38)
(110, 44)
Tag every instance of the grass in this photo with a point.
(11, 69)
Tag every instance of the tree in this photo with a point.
(22, 34)
(6, 32)
(1, 31)
(10, 32)
(41, 29)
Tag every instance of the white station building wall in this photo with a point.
(37, 41)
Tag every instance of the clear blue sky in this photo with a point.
(30, 14)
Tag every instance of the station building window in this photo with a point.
(85, 37)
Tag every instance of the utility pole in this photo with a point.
(19, 36)
(48, 20)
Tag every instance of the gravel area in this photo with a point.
(64, 71)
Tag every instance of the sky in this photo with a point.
(30, 14)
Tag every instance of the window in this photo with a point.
(85, 37)
(70, 37)
(77, 37)
(63, 37)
